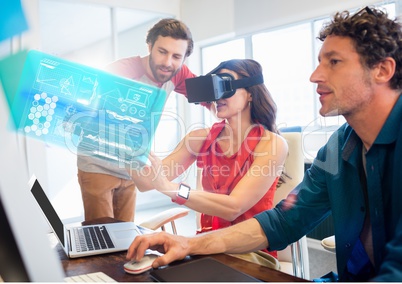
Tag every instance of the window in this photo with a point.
(215, 54)
(169, 131)
(288, 56)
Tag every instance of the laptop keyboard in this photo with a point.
(92, 238)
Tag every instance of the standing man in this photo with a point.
(356, 176)
(107, 189)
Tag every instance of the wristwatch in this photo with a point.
(182, 194)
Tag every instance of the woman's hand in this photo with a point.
(160, 174)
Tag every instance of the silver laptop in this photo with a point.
(79, 241)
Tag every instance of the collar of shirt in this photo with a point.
(387, 135)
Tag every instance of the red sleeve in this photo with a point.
(130, 67)
(179, 80)
(180, 84)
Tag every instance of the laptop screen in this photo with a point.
(48, 209)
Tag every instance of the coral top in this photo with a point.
(222, 173)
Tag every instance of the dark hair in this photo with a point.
(172, 28)
(374, 35)
(263, 108)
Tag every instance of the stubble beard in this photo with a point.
(154, 69)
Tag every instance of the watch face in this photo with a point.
(184, 191)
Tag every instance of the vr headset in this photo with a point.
(213, 87)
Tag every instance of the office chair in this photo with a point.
(168, 216)
(329, 243)
(293, 259)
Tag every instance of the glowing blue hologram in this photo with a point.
(10, 74)
(76, 106)
(12, 19)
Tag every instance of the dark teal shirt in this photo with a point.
(332, 185)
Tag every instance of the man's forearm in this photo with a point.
(244, 237)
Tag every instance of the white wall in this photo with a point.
(158, 6)
(213, 19)
(268, 14)
(131, 43)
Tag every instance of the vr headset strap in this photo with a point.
(245, 82)
(240, 83)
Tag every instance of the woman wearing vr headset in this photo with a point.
(241, 156)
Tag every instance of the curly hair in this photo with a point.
(374, 35)
(263, 108)
(172, 28)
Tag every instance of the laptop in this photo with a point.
(206, 269)
(80, 241)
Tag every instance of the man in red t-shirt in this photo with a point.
(107, 189)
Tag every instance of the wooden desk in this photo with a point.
(112, 265)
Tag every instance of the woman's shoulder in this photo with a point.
(195, 139)
(204, 132)
(199, 133)
(271, 139)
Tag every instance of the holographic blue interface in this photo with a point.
(79, 107)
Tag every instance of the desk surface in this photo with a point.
(112, 265)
